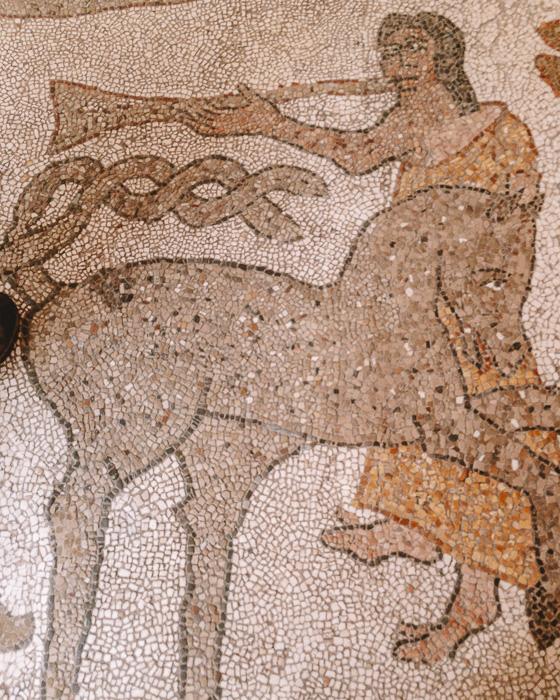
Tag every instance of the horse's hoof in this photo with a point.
(9, 325)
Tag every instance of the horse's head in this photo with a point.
(485, 273)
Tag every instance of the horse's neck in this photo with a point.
(360, 262)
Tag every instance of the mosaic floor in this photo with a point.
(280, 349)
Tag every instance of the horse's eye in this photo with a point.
(493, 278)
(495, 284)
(389, 51)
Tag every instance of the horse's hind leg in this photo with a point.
(224, 458)
(78, 515)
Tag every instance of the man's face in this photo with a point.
(407, 58)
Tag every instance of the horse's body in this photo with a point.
(233, 369)
(336, 363)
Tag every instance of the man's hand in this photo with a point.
(256, 117)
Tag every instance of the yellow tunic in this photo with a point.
(504, 149)
(478, 520)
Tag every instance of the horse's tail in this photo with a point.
(36, 233)
(34, 236)
(47, 219)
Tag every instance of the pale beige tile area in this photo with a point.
(271, 403)
(69, 8)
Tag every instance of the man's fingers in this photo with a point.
(195, 126)
(201, 126)
(194, 112)
(207, 111)
(249, 94)
(201, 114)
(212, 110)
(207, 108)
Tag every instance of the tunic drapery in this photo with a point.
(479, 520)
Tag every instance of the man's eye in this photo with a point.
(493, 278)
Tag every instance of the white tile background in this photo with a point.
(323, 606)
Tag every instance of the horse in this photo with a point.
(232, 369)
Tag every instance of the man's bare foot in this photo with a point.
(474, 606)
(15, 632)
(374, 543)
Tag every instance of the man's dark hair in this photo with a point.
(449, 53)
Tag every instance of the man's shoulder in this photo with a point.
(509, 124)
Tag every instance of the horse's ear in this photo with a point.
(535, 206)
(501, 207)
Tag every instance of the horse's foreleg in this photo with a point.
(78, 516)
(473, 606)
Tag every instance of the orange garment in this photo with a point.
(480, 521)
(503, 149)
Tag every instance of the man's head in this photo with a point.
(407, 57)
(418, 49)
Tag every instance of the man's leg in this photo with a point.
(541, 482)
(372, 544)
(473, 606)
(511, 457)
(403, 483)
